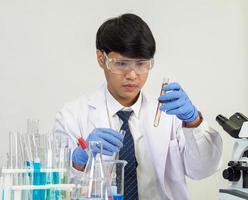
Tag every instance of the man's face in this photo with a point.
(124, 87)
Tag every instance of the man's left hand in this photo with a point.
(176, 102)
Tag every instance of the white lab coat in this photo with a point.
(176, 152)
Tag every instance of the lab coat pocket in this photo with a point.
(174, 164)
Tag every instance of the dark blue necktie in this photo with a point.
(127, 153)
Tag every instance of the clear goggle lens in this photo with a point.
(122, 66)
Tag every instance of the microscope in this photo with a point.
(237, 170)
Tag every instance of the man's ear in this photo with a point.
(100, 58)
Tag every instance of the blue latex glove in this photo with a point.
(176, 102)
(111, 143)
(79, 156)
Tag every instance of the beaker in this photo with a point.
(94, 184)
(114, 172)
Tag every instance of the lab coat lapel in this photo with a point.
(98, 115)
(156, 138)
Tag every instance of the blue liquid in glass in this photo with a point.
(118, 197)
(36, 180)
(42, 182)
(56, 181)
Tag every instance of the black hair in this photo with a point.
(128, 35)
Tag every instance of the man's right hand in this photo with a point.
(111, 143)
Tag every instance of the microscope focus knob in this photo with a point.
(231, 174)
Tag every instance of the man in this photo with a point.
(160, 157)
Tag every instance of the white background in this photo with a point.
(47, 58)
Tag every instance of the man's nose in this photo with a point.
(131, 74)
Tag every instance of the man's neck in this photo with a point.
(125, 101)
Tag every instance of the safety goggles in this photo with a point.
(123, 66)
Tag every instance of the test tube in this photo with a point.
(2, 177)
(158, 111)
(33, 126)
(7, 181)
(116, 155)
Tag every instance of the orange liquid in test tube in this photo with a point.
(158, 111)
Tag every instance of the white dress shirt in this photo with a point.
(148, 185)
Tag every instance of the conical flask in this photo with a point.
(94, 185)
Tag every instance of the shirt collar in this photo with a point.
(114, 106)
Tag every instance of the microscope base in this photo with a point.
(233, 194)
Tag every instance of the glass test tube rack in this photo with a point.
(20, 184)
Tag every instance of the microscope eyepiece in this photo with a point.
(221, 119)
(231, 125)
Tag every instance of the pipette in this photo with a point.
(82, 143)
(158, 112)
